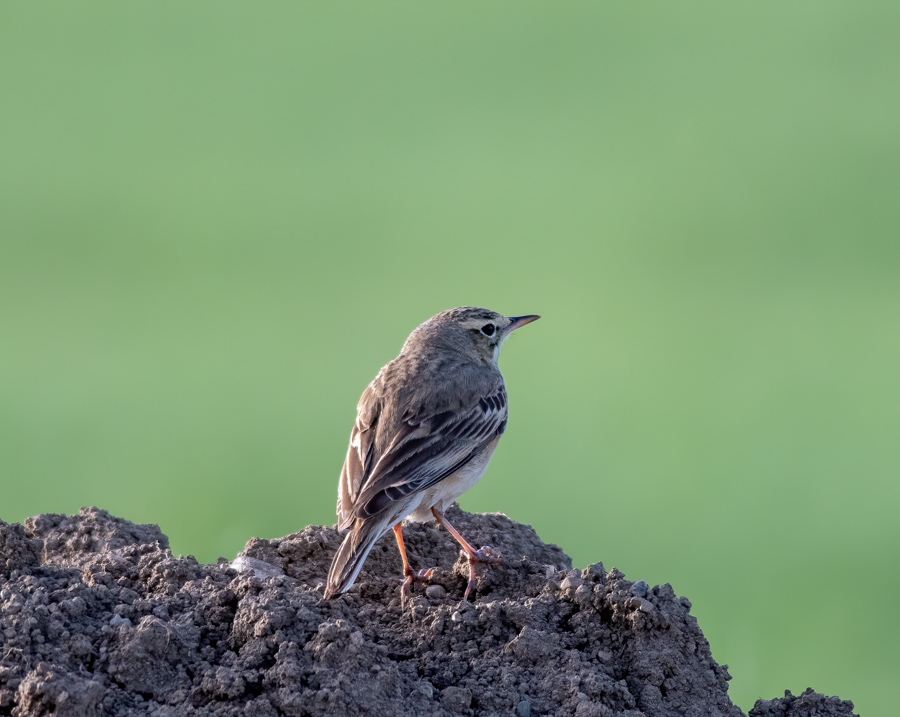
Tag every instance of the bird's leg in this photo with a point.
(409, 576)
(474, 556)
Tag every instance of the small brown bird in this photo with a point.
(425, 431)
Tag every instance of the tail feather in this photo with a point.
(349, 559)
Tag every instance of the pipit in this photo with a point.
(425, 431)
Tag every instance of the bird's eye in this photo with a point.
(488, 329)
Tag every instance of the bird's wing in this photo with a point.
(360, 454)
(428, 448)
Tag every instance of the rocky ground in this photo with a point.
(97, 617)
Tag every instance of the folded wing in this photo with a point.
(424, 450)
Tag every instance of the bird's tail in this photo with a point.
(349, 559)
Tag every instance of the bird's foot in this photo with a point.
(483, 555)
(421, 576)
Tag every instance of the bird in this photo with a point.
(426, 428)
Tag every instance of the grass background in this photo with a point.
(218, 220)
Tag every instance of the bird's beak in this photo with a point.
(518, 321)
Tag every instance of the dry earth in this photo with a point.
(97, 617)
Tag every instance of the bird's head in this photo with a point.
(476, 332)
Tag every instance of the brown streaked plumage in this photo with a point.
(425, 431)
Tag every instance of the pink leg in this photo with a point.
(409, 576)
(474, 556)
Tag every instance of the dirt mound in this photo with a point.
(97, 617)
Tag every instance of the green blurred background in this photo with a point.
(218, 220)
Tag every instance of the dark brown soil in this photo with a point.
(98, 618)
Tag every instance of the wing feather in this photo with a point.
(360, 456)
(427, 449)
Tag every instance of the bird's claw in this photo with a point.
(483, 555)
(469, 587)
(420, 576)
